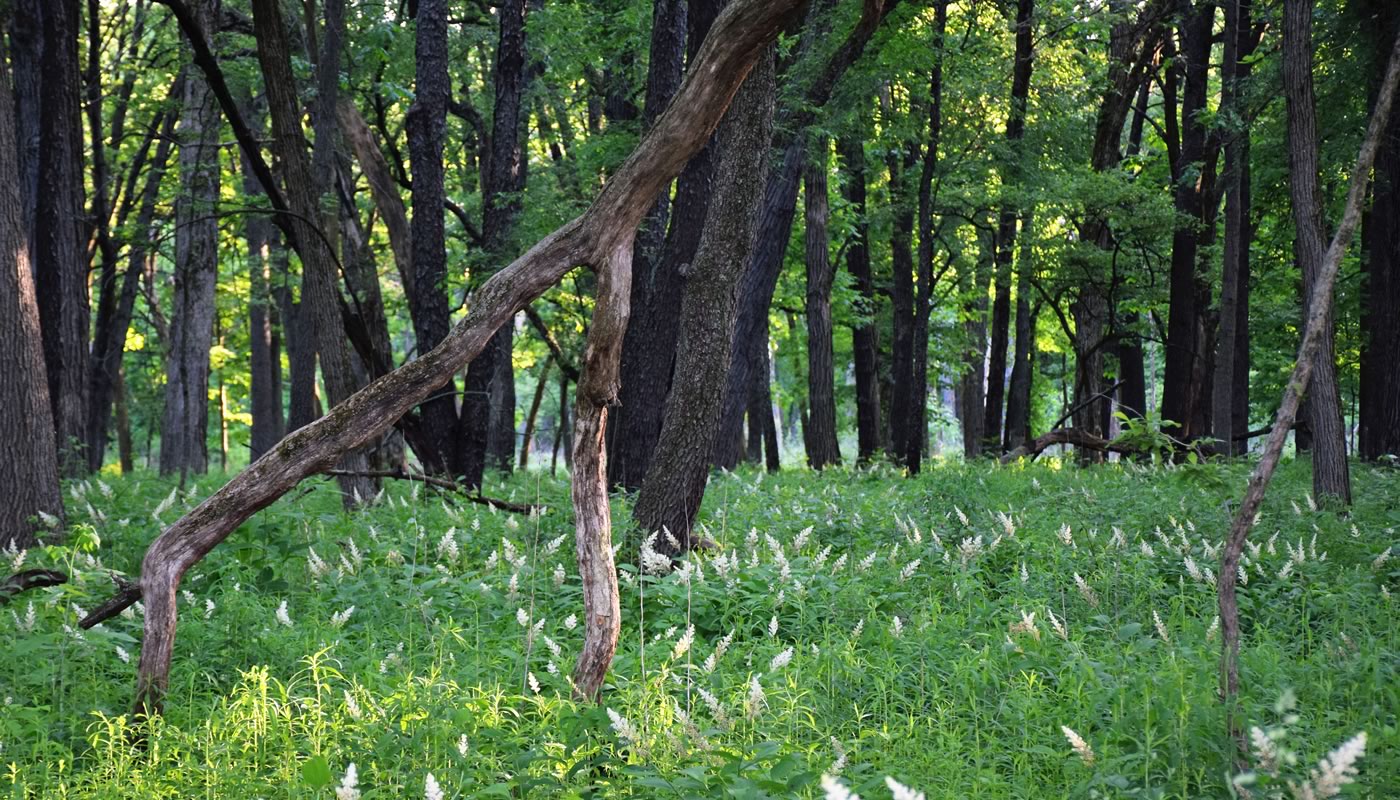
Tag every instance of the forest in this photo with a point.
(942, 398)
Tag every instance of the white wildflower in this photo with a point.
(902, 792)
(754, 704)
(283, 618)
(339, 619)
(1081, 747)
(1160, 626)
(347, 789)
(1086, 591)
(1335, 770)
(833, 789)
(431, 790)
(623, 728)
(462, 746)
(897, 628)
(352, 706)
(682, 645)
(123, 655)
(781, 660)
(571, 621)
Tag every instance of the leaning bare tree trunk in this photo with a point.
(1314, 335)
(1331, 475)
(28, 460)
(596, 238)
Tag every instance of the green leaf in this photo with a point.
(316, 772)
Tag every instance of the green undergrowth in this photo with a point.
(943, 630)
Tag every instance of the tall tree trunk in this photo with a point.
(1132, 369)
(822, 447)
(970, 390)
(917, 440)
(675, 485)
(901, 306)
(541, 383)
(779, 206)
(1186, 395)
(1018, 397)
(28, 459)
(502, 184)
(1379, 402)
(865, 334)
(658, 284)
(1006, 224)
(427, 298)
(319, 310)
(59, 266)
(1230, 370)
(185, 422)
(1331, 475)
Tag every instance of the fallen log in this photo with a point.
(440, 483)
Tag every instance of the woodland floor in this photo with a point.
(886, 622)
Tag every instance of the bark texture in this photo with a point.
(865, 335)
(822, 447)
(28, 461)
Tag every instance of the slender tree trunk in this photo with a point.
(901, 307)
(265, 388)
(541, 384)
(1018, 398)
(319, 310)
(125, 456)
(28, 462)
(970, 392)
(1331, 475)
(427, 299)
(59, 266)
(864, 335)
(1379, 402)
(822, 447)
(671, 494)
(1006, 224)
(184, 425)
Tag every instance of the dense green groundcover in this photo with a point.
(887, 624)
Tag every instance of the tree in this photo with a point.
(1331, 475)
(185, 428)
(28, 458)
(601, 238)
(822, 448)
(865, 334)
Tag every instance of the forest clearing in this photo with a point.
(699, 398)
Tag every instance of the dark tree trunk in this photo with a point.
(26, 29)
(185, 422)
(776, 214)
(1006, 225)
(1018, 398)
(901, 307)
(527, 439)
(864, 336)
(427, 297)
(822, 447)
(675, 485)
(1379, 402)
(1331, 475)
(319, 310)
(59, 266)
(658, 284)
(1186, 392)
(917, 440)
(970, 392)
(502, 184)
(1232, 371)
(28, 463)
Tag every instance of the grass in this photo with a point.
(435, 669)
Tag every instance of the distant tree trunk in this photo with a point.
(1132, 371)
(1331, 475)
(541, 383)
(760, 408)
(427, 299)
(60, 268)
(1018, 398)
(901, 306)
(970, 391)
(822, 447)
(109, 341)
(658, 283)
(917, 441)
(1006, 225)
(28, 459)
(319, 310)
(1232, 371)
(125, 457)
(184, 425)
(675, 485)
(1186, 393)
(865, 335)
(502, 184)
(1380, 311)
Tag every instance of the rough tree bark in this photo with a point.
(775, 219)
(184, 423)
(865, 335)
(649, 350)
(1331, 475)
(1018, 397)
(1006, 225)
(59, 266)
(28, 459)
(595, 239)
(675, 485)
(822, 447)
(1297, 23)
